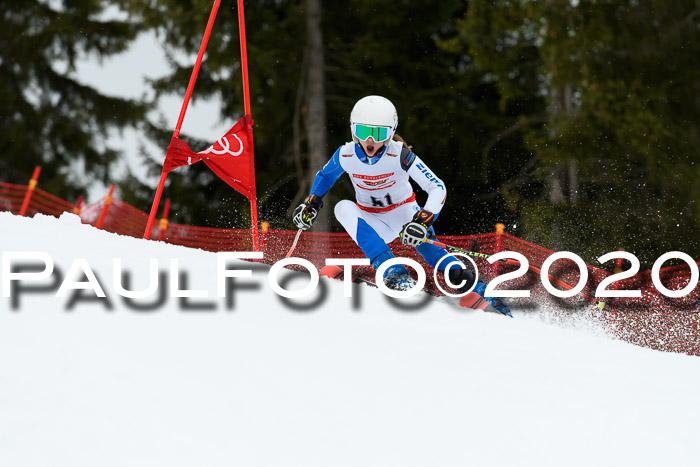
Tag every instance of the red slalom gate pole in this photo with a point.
(246, 106)
(244, 57)
(30, 190)
(254, 222)
(103, 213)
(154, 206)
(198, 63)
(183, 110)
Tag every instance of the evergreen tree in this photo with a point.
(617, 149)
(47, 116)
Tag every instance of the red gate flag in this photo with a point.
(231, 158)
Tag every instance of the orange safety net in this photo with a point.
(653, 320)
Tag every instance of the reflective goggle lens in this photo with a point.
(378, 133)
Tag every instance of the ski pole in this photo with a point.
(294, 244)
(476, 254)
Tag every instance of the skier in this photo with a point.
(379, 163)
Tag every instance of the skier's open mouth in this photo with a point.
(370, 149)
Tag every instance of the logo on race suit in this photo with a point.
(374, 182)
(372, 177)
(430, 176)
(225, 147)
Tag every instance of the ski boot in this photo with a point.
(495, 302)
(396, 277)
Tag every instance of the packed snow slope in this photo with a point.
(320, 381)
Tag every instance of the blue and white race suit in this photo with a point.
(385, 200)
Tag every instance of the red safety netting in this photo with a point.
(11, 197)
(41, 202)
(120, 217)
(653, 320)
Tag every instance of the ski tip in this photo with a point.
(332, 271)
(475, 301)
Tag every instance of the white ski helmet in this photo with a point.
(373, 116)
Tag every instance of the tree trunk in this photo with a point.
(316, 103)
(563, 180)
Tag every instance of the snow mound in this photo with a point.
(253, 380)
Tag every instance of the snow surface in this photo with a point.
(332, 384)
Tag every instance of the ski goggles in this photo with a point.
(378, 133)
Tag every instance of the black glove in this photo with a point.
(415, 232)
(457, 275)
(305, 214)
